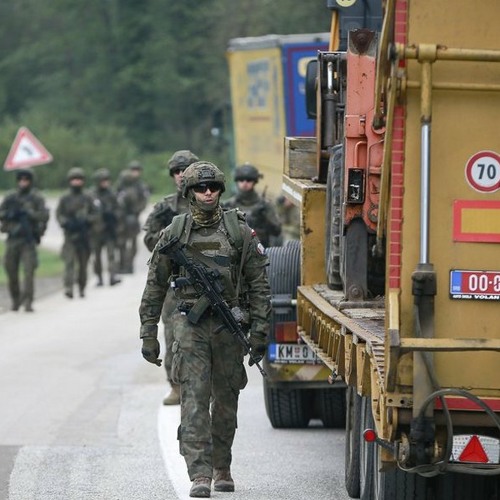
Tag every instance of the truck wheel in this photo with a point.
(352, 437)
(394, 484)
(464, 486)
(287, 408)
(330, 407)
(366, 452)
(334, 226)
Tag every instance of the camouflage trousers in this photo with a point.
(208, 364)
(98, 245)
(21, 253)
(76, 257)
(169, 308)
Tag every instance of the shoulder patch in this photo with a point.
(260, 249)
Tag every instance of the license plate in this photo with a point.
(292, 353)
(475, 285)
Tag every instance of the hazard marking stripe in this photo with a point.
(476, 221)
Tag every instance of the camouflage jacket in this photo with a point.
(76, 213)
(260, 214)
(161, 217)
(23, 215)
(254, 277)
(107, 213)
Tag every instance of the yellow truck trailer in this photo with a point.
(399, 292)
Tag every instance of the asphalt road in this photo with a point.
(81, 414)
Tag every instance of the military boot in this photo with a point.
(174, 398)
(223, 480)
(113, 280)
(201, 487)
(100, 282)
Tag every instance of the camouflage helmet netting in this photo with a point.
(75, 173)
(202, 172)
(181, 159)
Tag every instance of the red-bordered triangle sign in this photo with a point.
(26, 151)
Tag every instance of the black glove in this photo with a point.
(257, 348)
(151, 350)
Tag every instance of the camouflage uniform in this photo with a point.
(104, 229)
(23, 217)
(261, 215)
(133, 196)
(161, 217)
(208, 359)
(75, 214)
(289, 215)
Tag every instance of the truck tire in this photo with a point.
(334, 226)
(330, 406)
(366, 452)
(455, 486)
(394, 484)
(288, 408)
(352, 442)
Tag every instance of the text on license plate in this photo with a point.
(291, 353)
(475, 285)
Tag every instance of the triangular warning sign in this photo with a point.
(474, 452)
(26, 151)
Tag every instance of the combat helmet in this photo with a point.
(76, 173)
(247, 171)
(180, 160)
(24, 172)
(134, 165)
(202, 172)
(102, 174)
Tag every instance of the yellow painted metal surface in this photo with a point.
(464, 123)
(256, 82)
(311, 198)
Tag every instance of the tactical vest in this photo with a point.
(223, 249)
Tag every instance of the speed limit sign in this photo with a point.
(482, 171)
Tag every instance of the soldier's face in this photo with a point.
(207, 194)
(178, 177)
(24, 182)
(245, 185)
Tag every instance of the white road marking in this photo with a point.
(168, 422)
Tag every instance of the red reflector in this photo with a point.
(369, 435)
(286, 332)
(474, 452)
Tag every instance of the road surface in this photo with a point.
(81, 415)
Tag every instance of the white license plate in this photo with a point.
(291, 353)
(474, 285)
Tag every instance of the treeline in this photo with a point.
(103, 82)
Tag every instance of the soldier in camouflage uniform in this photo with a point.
(261, 215)
(75, 214)
(23, 217)
(161, 217)
(133, 195)
(105, 225)
(208, 359)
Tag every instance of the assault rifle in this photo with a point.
(207, 281)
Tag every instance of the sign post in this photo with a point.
(26, 151)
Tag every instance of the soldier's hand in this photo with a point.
(257, 348)
(151, 350)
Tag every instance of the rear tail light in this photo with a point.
(471, 448)
(286, 332)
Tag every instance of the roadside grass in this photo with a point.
(50, 264)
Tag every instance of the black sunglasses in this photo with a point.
(202, 188)
(245, 179)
